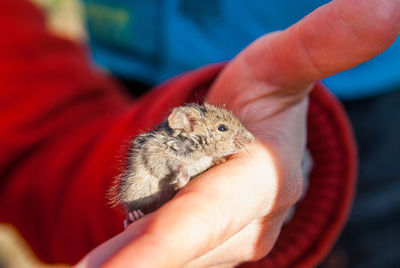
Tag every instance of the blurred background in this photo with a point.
(145, 42)
(64, 18)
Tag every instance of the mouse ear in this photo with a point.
(181, 119)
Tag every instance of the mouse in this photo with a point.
(192, 139)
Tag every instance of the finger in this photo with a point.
(206, 212)
(252, 243)
(333, 38)
(98, 256)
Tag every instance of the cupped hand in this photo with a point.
(234, 211)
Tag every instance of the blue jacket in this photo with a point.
(155, 40)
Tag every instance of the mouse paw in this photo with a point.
(182, 178)
(133, 216)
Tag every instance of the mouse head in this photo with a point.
(216, 131)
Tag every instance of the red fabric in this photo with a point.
(64, 129)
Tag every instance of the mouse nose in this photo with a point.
(249, 137)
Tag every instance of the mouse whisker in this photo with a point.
(244, 147)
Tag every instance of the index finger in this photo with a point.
(206, 212)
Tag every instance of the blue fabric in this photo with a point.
(154, 40)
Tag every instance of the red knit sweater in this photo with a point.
(64, 129)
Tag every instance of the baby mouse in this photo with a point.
(191, 140)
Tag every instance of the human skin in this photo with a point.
(234, 212)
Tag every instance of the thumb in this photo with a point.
(333, 38)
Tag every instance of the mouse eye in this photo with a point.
(222, 127)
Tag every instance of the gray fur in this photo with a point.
(164, 160)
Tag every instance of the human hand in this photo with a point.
(234, 212)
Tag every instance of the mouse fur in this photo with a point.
(191, 140)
